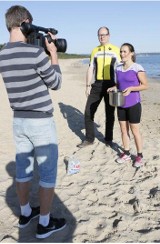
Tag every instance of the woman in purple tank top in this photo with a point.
(131, 79)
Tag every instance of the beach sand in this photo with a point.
(104, 202)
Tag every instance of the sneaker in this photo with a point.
(123, 158)
(53, 226)
(138, 162)
(24, 221)
(85, 144)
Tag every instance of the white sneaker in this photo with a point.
(138, 162)
(123, 158)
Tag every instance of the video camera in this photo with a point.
(31, 32)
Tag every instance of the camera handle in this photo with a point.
(49, 38)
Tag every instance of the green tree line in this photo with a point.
(64, 55)
(1, 45)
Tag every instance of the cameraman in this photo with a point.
(28, 74)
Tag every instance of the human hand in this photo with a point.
(113, 88)
(126, 91)
(51, 46)
(52, 49)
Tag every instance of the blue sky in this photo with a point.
(137, 22)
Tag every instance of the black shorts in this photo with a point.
(131, 114)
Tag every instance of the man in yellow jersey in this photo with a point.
(103, 61)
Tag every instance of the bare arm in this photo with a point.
(89, 76)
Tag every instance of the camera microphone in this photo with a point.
(28, 28)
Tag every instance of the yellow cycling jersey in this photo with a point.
(104, 59)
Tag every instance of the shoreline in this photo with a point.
(86, 61)
(154, 79)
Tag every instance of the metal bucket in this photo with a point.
(116, 98)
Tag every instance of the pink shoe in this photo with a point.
(138, 162)
(123, 158)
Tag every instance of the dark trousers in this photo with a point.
(98, 92)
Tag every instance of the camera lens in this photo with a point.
(61, 45)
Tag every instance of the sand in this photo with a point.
(104, 202)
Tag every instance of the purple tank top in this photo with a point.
(127, 78)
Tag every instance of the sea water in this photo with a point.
(150, 62)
